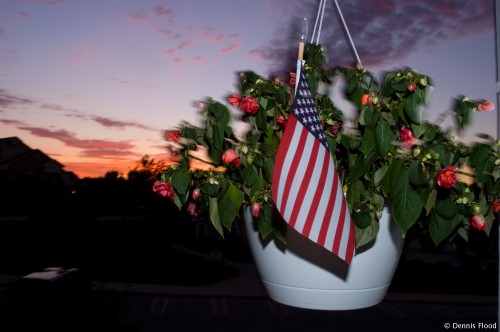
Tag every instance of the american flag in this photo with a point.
(306, 187)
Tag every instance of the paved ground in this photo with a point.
(236, 304)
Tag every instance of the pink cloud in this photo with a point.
(90, 147)
(199, 59)
(108, 122)
(24, 14)
(256, 54)
(230, 49)
(136, 83)
(186, 44)
(170, 51)
(177, 60)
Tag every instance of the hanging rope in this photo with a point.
(319, 18)
(319, 23)
(348, 34)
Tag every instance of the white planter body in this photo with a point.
(304, 275)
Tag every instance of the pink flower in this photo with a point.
(164, 189)
(235, 100)
(249, 105)
(406, 136)
(486, 106)
(447, 177)
(478, 222)
(229, 156)
(255, 209)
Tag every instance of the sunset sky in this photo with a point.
(93, 83)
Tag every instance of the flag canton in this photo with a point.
(306, 112)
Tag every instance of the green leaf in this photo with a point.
(383, 137)
(229, 205)
(417, 175)
(249, 176)
(368, 142)
(441, 228)
(478, 155)
(362, 219)
(366, 235)
(446, 208)
(412, 107)
(181, 181)
(431, 200)
(406, 208)
(214, 215)
(354, 192)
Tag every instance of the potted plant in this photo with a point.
(387, 156)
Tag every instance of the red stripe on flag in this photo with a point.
(350, 243)
(291, 174)
(328, 216)
(339, 232)
(299, 197)
(317, 195)
(280, 159)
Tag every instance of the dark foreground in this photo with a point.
(148, 279)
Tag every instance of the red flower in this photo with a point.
(237, 162)
(249, 105)
(478, 222)
(229, 156)
(411, 86)
(496, 206)
(255, 209)
(486, 106)
(336, 127)
(164, 189)
(192, 209)
(446, 177)
(406, 136)
(172, 135)
(292, 78)
(235, 100)
(282, 121)
(366, 99)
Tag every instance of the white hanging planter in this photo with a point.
(304, 275)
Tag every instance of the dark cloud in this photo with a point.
(383, 31)
(8, 100)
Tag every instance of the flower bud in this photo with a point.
(255, 209)
(196, 194)
(423, 81)
(378, 215)
(416, 151)
(411, 86)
